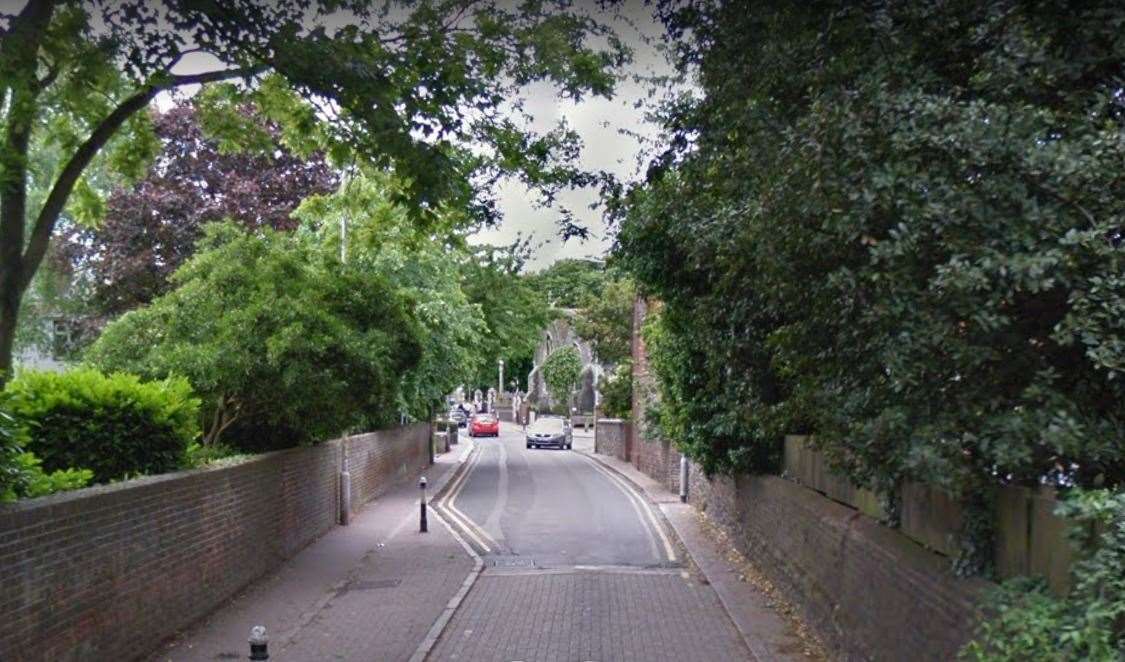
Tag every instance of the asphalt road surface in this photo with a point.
(578, 566)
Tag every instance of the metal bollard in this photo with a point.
(258, 643)
(422, 528)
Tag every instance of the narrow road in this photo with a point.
(578, 566)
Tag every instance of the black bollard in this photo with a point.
(258, 643)
(422, 528)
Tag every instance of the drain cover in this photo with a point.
(502, 561)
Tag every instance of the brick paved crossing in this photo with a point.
(571, 615)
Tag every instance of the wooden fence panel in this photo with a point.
(930, 517)
(1030, 538)
(808, 467)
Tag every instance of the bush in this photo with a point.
(116, 425)
(13, 479)
(1028, 623)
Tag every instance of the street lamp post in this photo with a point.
(500, 384)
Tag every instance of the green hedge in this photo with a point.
(115, 425)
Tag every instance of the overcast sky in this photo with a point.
(599, 122)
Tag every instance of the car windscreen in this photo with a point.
(553, 425)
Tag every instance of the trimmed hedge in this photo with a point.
(115, 425)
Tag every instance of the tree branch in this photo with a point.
(102, 133)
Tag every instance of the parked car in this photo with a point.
(548, 431)
(484, 425)
(458, 416)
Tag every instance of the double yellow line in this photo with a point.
(447, 503)
(639, 503)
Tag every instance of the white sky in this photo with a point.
(599, 122)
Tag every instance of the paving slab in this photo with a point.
(575, 615)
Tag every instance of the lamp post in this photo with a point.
(500, 383)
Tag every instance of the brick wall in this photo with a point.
(612, 438)
(109, 572)
(871, 592)
(868, 590)
(377, 460)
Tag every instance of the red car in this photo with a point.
(484, 425)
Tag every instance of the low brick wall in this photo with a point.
(612, 438)
(107, 573)
(869, 590)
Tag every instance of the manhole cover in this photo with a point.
(509, 562)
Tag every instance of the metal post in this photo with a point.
(345, 487)
(422, 528)
(683, 478)
(258, 643)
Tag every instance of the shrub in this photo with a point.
(1028, 623)
(13, 479)
(116, 425)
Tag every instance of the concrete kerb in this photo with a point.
(439, 625)
(752, 642)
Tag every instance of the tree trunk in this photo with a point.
(9, 307)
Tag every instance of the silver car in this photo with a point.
(549, 431)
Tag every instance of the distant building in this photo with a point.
(557, 335)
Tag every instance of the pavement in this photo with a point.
(369, 591)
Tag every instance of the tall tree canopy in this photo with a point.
(570, 282)
(514, 309)
(430, 89)
(150, 228)
(897, 226)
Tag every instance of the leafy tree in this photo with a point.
(423, 87)
(606, 321)
(912, 250)
(423, 270)
(514, 309)
(616, 389)
(285, 344)
(151, 228)
(570, 283)
(561, 371)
